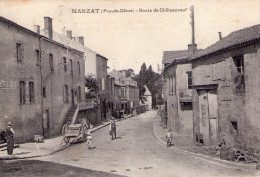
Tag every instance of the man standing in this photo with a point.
(113, 125)
(10, 138)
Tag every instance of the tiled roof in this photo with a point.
(176, 59)
(170, 56)
(235, 38)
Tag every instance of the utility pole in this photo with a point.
(193, 29)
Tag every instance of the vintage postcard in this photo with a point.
(138, 88)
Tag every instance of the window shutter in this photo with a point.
(15, 54)
(22, 53)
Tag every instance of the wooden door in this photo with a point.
(213, 115)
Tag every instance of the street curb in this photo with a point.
(64, 147)
(245, 166)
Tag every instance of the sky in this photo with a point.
(129, 39)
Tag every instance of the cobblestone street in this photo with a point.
(137, 152)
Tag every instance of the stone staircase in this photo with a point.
(70, 115)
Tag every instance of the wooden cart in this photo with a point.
(74, 132)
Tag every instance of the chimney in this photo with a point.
(37, 29)
(69, 34)
(124, 73)
(190, 49)
(220, 36)
(48, 27)
(80, 40)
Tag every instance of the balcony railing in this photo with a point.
(86, 104)
(185, 95)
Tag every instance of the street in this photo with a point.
(137, 152)
(38, 168)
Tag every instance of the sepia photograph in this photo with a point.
(130, 88)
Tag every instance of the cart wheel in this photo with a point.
(64, 130)
(66, 139)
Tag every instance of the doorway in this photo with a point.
(72, 98)
(208, 106)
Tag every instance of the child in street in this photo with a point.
(169, 137)
(89, 138)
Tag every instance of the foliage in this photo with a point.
(152, 80)
(92, 84)
(130, 72)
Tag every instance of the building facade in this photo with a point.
(41, 79)
(96, 66)
(178, 90)
(226, 90)
(179, 97)
(126, 94)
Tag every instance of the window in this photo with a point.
(78, 68)
(51, 62)
(44, 91)
(71, 66)
(31, 92)
(22, 92)
(66, 94)
(112, 86)
(19, 52)
(234, 128)
(239, 62)
(169, 85)
(239, 79)
(102, 83)
(79, 92)
(46, 119)
(186, 106)
(189, 80)
(171, 89)
(172, 85)
(37, 53)
(65, 64)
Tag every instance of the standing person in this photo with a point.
(169, 138)
(112, 129)
(10, 138)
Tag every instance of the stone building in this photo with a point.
(126, 93)
(41, 79)
(226, 94)
(103, 94)
(96, 65)
(178, 90)
(147, 98)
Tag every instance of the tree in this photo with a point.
(130, 73)
(92, 86)
(150, 78)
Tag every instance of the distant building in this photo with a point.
(226, 95)
(41, 79)
(147, 98)
(103, 93)
(126, 93)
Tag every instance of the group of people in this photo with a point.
(9, 135)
